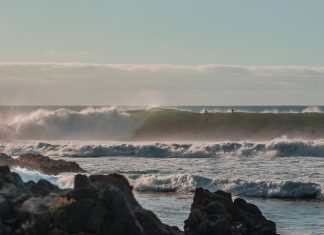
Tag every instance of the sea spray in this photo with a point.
(159, 124)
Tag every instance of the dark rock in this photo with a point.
(105, 204)
(6, 160)
(47, 165)
(41, 163)
(81, 181)
(42, 187)
(97, 205)
(253, 218)
(83, 189)
(216, 213)
(33, 216)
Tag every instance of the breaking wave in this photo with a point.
(159, 124)
(282, 147)
(185, 183)
(238, 187)
(89, 123)
(63, 181)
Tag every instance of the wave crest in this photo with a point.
(275, 148)
(89, 123)
(238, 187)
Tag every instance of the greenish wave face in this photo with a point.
(168, 124)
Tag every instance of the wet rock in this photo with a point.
(42, 187)
(47, 165)
(97, 205)
(216, 213)
(113, 211)
(6, 160)
(105, 204)
(41, 163)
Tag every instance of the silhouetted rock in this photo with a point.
(41, 163)
(98, 205)
(6, 160)
(47, 165)
(105, 205)
(216, 213)
(42, 187)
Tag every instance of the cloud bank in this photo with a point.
(160, 84)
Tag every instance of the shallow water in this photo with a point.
(291, 216)
(298, 217)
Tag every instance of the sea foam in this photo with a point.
(281, 147)
(238, 187)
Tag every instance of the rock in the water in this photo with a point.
(6, 160)
(41, 163)
(105, 205)
(110, 197)
(216, 214)
(98, 205)
(42, 187)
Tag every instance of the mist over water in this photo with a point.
(64, 123)
(161, 124)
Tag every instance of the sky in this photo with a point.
(145, 52)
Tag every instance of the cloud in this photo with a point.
(91, 83)
(208, 68)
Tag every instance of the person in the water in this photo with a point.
(206, 112)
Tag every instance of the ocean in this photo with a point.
(271, 156)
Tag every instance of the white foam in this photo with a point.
(89, 123)
(274, 148)
(188, 183)
(63, 181)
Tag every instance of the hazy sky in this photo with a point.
(265, 52)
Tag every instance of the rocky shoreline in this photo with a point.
(41, 163)
(104, 204)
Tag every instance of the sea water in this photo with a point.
(283, 176)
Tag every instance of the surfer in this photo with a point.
(206, 113)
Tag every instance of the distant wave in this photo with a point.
(238, 187)
(158, 124)
(310, 109)
(275, 148)
(166, 124)
(89, 123)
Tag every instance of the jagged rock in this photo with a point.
(48, 165)
(216, 213)
(42, 187)
(97, 205)
(6, 160)
(105, 205)
(111, 198)
(41, 163)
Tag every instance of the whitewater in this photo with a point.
(272, 156)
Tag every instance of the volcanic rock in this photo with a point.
(41, 163)
(217, 214)
(105, 205)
